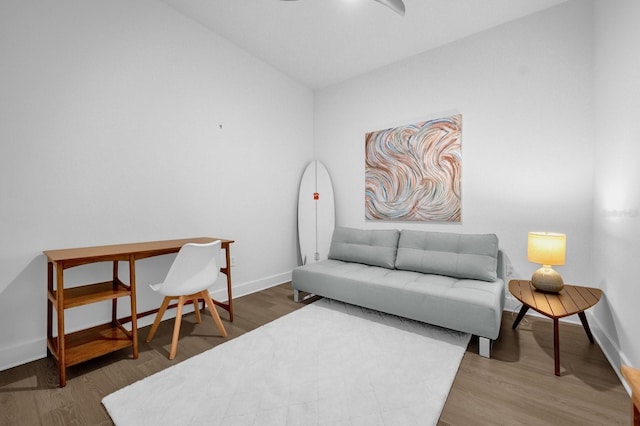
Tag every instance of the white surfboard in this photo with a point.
(316, 213)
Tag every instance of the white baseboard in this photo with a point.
(610, 349)
(35, 349)
(253, 286)
(23, 353)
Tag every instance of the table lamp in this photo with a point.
(547, 249)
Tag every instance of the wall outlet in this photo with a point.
(233, 261)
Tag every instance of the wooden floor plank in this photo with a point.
(516, 386)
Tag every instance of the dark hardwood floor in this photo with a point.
(517, 386)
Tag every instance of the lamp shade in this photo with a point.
(546, 248)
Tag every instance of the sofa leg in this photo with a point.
(484, 347)
(298, 298)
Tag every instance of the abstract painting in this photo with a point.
(413, 172)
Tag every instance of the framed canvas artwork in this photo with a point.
(413, 172)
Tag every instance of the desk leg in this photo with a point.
(62, 370)
(114, 302)
(521, 314)
(49, 306)
(230, 302)
(134, 314)
(556, 346)
(227, 271)
(585, 324)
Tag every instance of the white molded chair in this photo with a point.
(193, 272)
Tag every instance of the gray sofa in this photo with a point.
(447, 279)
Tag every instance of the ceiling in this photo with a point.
(323, 42)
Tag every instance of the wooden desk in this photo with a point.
(571, 300)
(632, 376)
(73, 348)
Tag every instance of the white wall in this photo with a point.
(524, 92)
(617, 195)
(110, 116)
(551, 139)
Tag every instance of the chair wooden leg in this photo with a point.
(214, 313)
(196, 309)
(156, 323)
(176, 328)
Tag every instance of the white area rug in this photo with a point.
(327, 363)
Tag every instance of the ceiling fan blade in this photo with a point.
(395, 5)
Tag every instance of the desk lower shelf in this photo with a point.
(91, 342)
(91, 293)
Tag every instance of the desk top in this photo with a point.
(572, 299)
(141, 250)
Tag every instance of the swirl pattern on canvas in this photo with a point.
(413, 172)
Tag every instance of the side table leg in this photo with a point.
(556, 346)
(521, 314)
(585, 324)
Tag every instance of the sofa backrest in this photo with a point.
(472, 256)
(375, 247)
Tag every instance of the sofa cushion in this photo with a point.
(375, 247)
(443, 253)
(472, 306)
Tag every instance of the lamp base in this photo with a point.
(547, 280)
